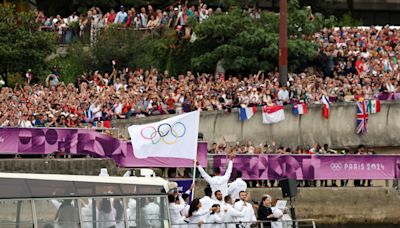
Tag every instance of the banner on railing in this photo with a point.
(84, 142)
(313, 167)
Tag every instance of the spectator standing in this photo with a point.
(121, 16)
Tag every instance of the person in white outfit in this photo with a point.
(196, 216)
(237, 186)
(67, 215)
(231, 214)
(175, 212)
(220, 201)
(207, 201)
(218, 182)
(131, 213)
(249, 215)
(215, 219)
(151, 213)
(119, 213)
(106, 214)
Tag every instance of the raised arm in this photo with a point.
(228, 171)
(204, 174)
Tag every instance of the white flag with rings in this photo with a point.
(175, 137)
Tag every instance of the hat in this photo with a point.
(176, 8)
(267, 196)
(165, 13)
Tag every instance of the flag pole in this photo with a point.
(194, 176)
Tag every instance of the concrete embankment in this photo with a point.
(338, 130)
(376, 205)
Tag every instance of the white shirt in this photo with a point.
(236, 187)
(283, 95)
(218, 182)
(198, 216)
(174, 212)
(232, 214)
(249, 215)
(131, 212)
(151, 213)
(207, 202)
(215, 221)
(106, 220)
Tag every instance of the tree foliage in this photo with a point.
(237, 41)
(22, 45)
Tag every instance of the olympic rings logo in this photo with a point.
(336, 166)
(167, 133)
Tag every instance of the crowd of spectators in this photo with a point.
(352, 63)
(248, 148)
(143, 18)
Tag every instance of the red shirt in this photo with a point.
(359, 65)
(111, 17)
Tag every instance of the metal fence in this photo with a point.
(300, 223)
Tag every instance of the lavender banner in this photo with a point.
(314, 167)
(84, 142)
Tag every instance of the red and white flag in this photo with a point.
(273, 114)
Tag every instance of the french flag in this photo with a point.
(300, 109)
(327, 104)
(247, 113)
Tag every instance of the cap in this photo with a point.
(176, 8)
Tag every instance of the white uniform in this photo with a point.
(232, 214)
(198, 216)
(236, 187)
(131, 212)
(151, 213)
(207, 202)
(277, 213)
(215, 221)
(249, 215)
(175, 214)
(218, 182)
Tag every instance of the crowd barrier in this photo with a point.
(75, 141)
(36, 141)
(313, 167)
(299, 223)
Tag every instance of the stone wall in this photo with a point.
(337, 131)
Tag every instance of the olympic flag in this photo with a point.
(175, 137)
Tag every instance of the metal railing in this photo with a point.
(299, 223)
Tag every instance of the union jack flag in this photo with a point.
(362, 117)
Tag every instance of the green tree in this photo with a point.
(22, 45)
(244, 45)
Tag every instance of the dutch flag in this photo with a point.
(247, 113)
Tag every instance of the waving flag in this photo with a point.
(374, 106)
(247, 113)
(299, 109)
(175, 137)
(362, 117)
(273, 114)
(327, 104)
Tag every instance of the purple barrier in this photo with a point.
(387, 96)
(84, 142)
(314, 167)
